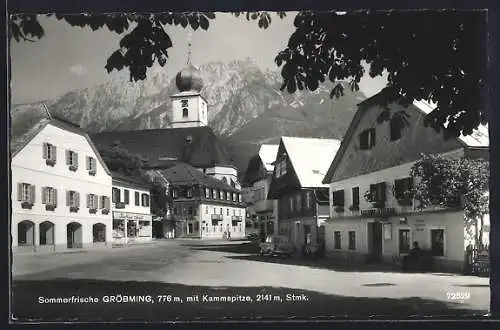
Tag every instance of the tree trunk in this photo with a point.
(476, 232)
(481, 231)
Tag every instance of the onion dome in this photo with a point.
(189, 79)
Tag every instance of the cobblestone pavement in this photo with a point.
(189, 267)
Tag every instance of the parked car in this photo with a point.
(277, 245)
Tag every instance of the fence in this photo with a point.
(477, 261)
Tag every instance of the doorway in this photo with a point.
(375, 241)
(74, 235)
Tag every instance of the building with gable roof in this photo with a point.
(60, 188)
(258, 176)
(375, 160)
(300, 165)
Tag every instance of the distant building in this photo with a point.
(375, 160)
(202, 206)
(60, 189)
(258, 176)
(131, 207)
(300, 165)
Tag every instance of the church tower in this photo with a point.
(189, 108)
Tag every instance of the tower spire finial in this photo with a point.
(189, 48)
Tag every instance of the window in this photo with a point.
(207, 193)
(404, 241)
(298, 201)
(175, 193)
(185, 112)
(224, 179)
(228, 196)
(49, 196)
(175, 211)
(377, 192)
(281, 168)
(402, 188)
(189, 193)
(71, 158)
(126, 196)
(145, 200)
(239, 198)
(91, 164)
(184, 103)
(228, 212)
(137, 198)
(221, 194)
(437, 242)
(234, 197)
(336, 240)
(206, 210)
(25, 192)
(308, 199)
(221, 211)
(72, 198)
(190, 210)
(367, 139)
(92, 201)
(104, 202)
(355, 196)
(395, 130)
(338, 198)
(116, 195)
(291, 203)
(352, 240)
(49, 152)
(214, 193)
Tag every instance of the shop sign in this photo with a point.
(131, 216)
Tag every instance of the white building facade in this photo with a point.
(131, 206)
(56, 171)
(371, 216)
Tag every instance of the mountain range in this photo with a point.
(246, 107)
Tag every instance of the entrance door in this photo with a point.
(74, 235)
(375, 241)
(190, 228)
(307, 234)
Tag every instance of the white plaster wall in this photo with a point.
(28, 166)
(209, 232)
(193, 113)
(131, 207)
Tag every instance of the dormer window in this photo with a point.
(174, 193)
(395, 130)
(214, 193)
(367, 139)
(207, 193)
(221, 194)
(189, 192)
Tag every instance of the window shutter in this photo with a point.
(381, 192)
(88, 200)
(68, 198)
(372, 137)
(106, 202)
(76, 160)
(54, 191)
(45, 147)
(87, 163)
(19, 191)
(54, 153)
(44, 195)
(101, 202)
(93, 164)
(32, 194)
(77, 199)
(68, 157)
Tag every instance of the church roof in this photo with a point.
(185, 174)
(197, 146)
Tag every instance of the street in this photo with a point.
(190, 279)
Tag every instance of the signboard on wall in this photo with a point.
(420, 225)
(387, 231)
(131, 216)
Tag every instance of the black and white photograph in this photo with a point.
(249, 166)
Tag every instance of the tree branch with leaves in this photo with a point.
(454, 182)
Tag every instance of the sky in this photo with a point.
(69, 58)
